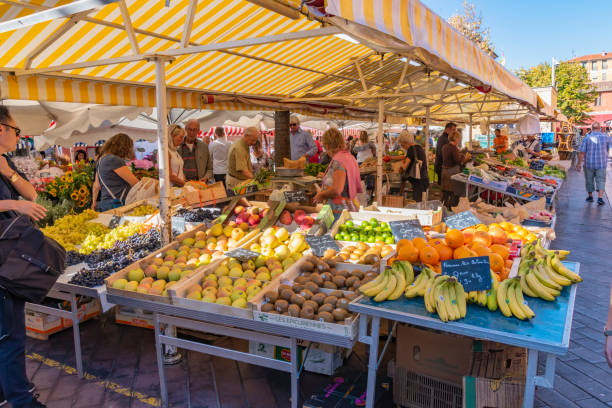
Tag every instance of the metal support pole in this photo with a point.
(295, 368)
(488, 134)
(379, 151)
(373, 362)
(426, 133)
(77, 334)
(471, 125)
(530, 381)
(160, 360)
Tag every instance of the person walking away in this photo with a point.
(365, 148)
(301, 141)
(197, 164)
(114, 178)
(219, 149)
(594, 151)
(452, 163)
(341, 181)
(176, 136)
(17, 197)
(415, 156)
(239, 166)
(442, 141)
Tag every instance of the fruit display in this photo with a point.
(225, 291)
(120, 233)
(74, 186)
(313, 169)
(366, 231)
(360, 253)
(316, 274)
(301, 219)
(249, 216)
(391, 283)
(200, 214)
(276, 241)
(262, 268)
(222, 238)
(446, 297)
(142, 210)
(72, 230)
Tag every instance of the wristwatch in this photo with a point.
(607, 332)
(14, 177)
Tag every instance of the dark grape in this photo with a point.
(199, 214)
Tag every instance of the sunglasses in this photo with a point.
(293, 124)
(17, 130)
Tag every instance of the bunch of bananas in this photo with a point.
(510, 300)
(445, 295)
(542, 274)
(485, 298)
(417, 288)
(390, 284)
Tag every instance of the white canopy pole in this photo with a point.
(379, 151)
(471, 125)
(426, 133)
(488, 134)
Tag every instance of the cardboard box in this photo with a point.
(134, 317)
(321, 358)
(41, 325)
(441, 355)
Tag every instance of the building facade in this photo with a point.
(599, 67)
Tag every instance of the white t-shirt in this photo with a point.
(219, 150)
(176, 164)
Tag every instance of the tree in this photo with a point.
(470, 25)
(574, 89)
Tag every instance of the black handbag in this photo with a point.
(30, 262)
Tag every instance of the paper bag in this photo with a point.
(145, 188)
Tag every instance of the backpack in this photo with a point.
(30, 262)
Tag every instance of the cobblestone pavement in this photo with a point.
(122, 372)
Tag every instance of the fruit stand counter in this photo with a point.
(227, 325)
(548, 332)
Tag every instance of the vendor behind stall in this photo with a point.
(364, 147)
(341, 182)
(114, 178)
(239, 166)
(500, 142)
(176, 137)
(532, 146)
(453, 160)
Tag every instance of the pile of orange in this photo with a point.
(481, 240)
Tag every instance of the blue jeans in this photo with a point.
(592, 176)
(13, 378)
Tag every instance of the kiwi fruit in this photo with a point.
(358, 273)
(313, 305)
(371, 275)
(339, 280)
(271, 296)
(330, 262)
(350, 281)
(312, 287)
(326, 317)
(337, 293)
(370, 259)
(267, 307)
(316, 278)
(286, 294)
(307, 266)
(281, 305)
(330, 285)
(339, 314)
(297, 299)
(326, 308)
(343, 303)
(351, 296)
(307, 312)
(300, 280)
(282, 287)
(318, 298)
(343, 272)
(306, 294)
(273, 312)
(326, 276)
(297, 288)
(331, 300)
(355, 285)
(329, 253)
(294, 310)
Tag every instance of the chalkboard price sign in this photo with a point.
(406, 229)
(242, 254)
(472, 273)
(462, 220)
(295, 196)
(319, 244)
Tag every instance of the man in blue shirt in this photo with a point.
(302, 144)
(594, 154)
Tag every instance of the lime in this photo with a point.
(349, 223)
(338, 237)
(371, 239)
(363, 238)
(367, 229)
(379, 237)
(345, 237)
(385, 225)
(390, 240)
(341, 228)
(373, 222)
(354, 237)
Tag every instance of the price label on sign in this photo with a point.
(242, 254)
(406, 229)
(462, 220)
(295, 196)
(319, 244)
(472, 273)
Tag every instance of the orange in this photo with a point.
(454, 238)
(391, 260)
(516, 227)
(503, 274)
(498, 235)
(514, 235)
(482, 237)
(403, 242)
(429, 255)
(419, 242)
(463, 252)
(496, 262)
(444, 251)
(435, 241)
(482, 227)
(408, 253)
(494, 225)
(480, 249)
(506, 226)
(468, 234)
(508, 263)
(502, 250)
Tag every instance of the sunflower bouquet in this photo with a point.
(72, 186)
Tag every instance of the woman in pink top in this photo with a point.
(341, 182)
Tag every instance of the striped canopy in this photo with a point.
(234, 54)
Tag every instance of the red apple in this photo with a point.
(254, 220)
(238, 209)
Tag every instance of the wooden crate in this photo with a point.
(425, 217)
(122, 211)
(366, 216)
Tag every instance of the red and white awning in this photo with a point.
(230, 131)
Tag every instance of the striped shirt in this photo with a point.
(595, 147)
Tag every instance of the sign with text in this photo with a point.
(295, 196)
(242, 254)
(472, 273)
(406, 229)
(319, 244)
(462, 220)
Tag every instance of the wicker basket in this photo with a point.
(393, 201)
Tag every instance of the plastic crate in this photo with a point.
(422, 391)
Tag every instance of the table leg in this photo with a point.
(294, 373)
(373, 362)
(77, 334)
(160, 361)
(530, 382)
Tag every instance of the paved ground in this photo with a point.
(122, 372)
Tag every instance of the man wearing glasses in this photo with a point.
(17, 196)
(196, 157)
(301, 141)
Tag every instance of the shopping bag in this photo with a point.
(145, 188)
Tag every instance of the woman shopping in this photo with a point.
(176, 136)
(341, 182)
(453, 160)
(364, 148)
(114, 178)
(414, 168)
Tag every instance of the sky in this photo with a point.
(529, 32)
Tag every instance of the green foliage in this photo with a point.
(574, 88)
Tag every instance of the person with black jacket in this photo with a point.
(17, 197)
(442, 141)
(415, 156)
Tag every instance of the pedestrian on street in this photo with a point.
(197, 164)
(608, 333)
(301, 141)
(14, 384)
(594, 151)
